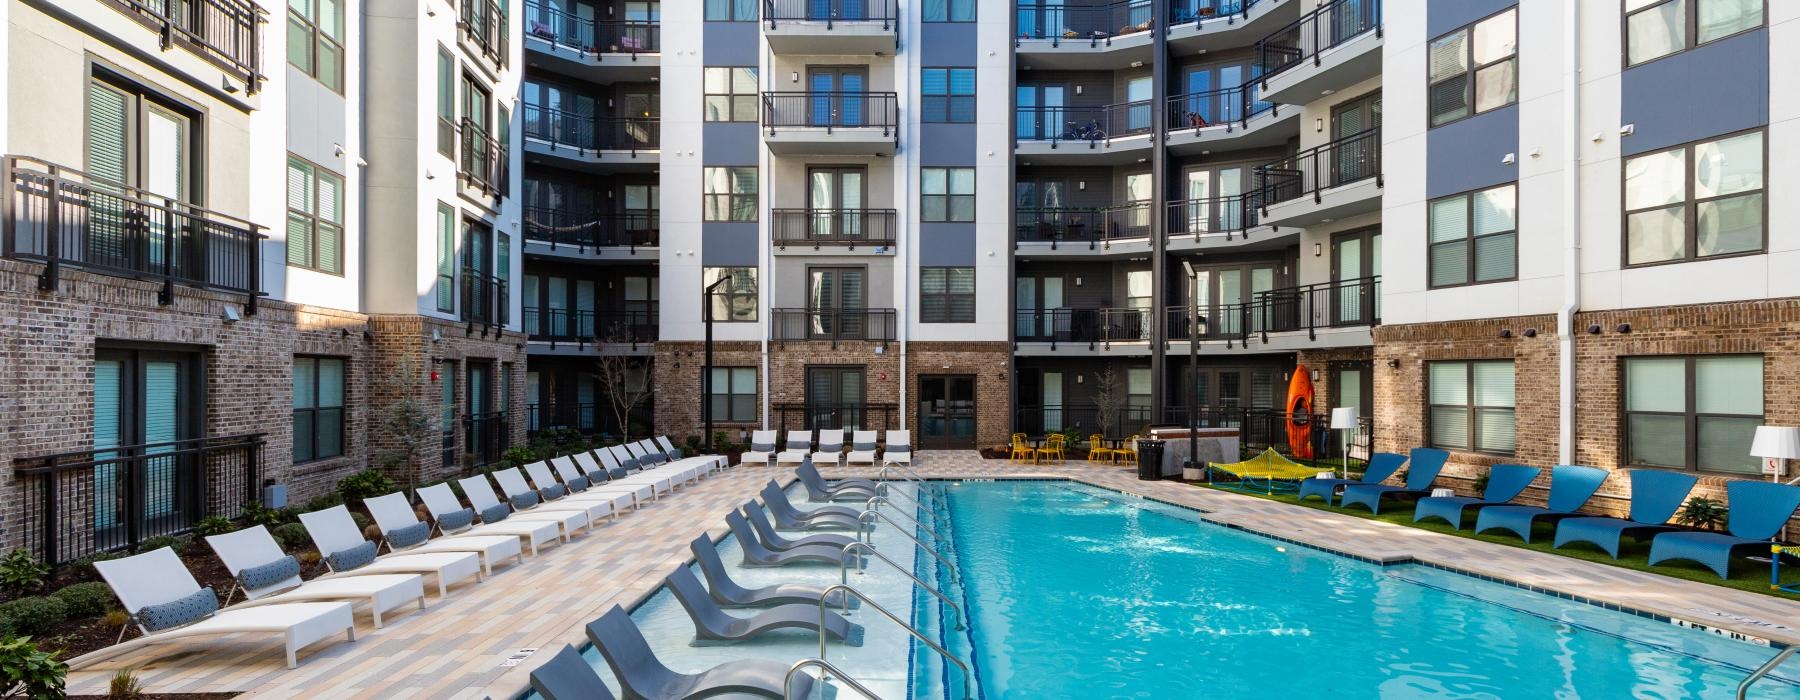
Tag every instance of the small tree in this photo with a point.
(1108, 397)
(407, 420)
(625, 379)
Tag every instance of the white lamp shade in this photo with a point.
(1776, 441)
(1345, 418)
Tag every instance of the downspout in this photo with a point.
(765, 291)
(1565, 316)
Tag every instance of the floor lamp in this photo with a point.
(1344, 420)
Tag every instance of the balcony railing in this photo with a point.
(1058, 226)
(1091, 326)
(1210, 216)
(1350, 159)
(484, 161)
(486, 436)
(831, 12)
(833, 325)
(588, 326)
(583, 231)
(835, 416)
(1264, 428)
(62, 216)
(74, 504)
(225, 32)
(1232, 107)
(1087, 419)
(484, 298)
(831, 110)
(1091, 125)
(1097, 25)
(1326, 26)
(1230, 11)
(833, 227)
(591, 36)
(1337, 304)
(483, 23)
(584, 417)
(564, 129)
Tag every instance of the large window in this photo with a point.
(318, 408)
(1693, 412)
(735, 300)
(949, 11)
(315, 219)
(1474, 69)
(946, 194)
(446, 258)
(949, 95)
(316, 40)
(1695, 201)
(446, 102)
(1471, 405)
(729, 193)
(733, 394)
(1657, 28)
(1474, 237)
(731, 10)
(731, 94)
(947, 295)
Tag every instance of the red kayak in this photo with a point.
(1300, 409)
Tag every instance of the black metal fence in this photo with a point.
(486, 436)
(483, 23)
(1086, 419)
(74, 504)
(833, 227)
(831, 110)
(1263, 428)
(484, 298)
(484, 161)
(589, 35)
(224, 32)
(583, 230)
(1059, 225)
(1097, 25)
(837, 416)
(589, 326)
(831, 12)
(1343, 161)
(584, 132)
(1230, 11)
(1335, 304)
(1090, 125)
(1093, 326)
(1326, 26)
(833, 324)
(1229, 215)
(1230, 106)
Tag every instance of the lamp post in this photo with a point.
(1776, 445)
(706, 377)
(1344, 420)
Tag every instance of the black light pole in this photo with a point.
(706, 394)
(1193, 386)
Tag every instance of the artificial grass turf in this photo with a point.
(1746, 575)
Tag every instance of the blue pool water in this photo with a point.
(1077, 592)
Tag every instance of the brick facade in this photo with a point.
(677, 375)
(989, 363)
(404, 346)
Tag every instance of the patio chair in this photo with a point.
(1759, 509)
(347, 553)
(834, 485)
(481, 495)
(762, 448)
(1655, 496)
(818, 491)
(727, 593)
(647, 458)
(1505, 482)
(166, 603)
(1126, 454)
(713, 624)
(799, 448)
(1571, 486)
(624, 458)
(788, 517)
(1021, 451)
(831, 448)
(862, 448)
(1273, 471)
(267, 575)
(668, 447)
(594, 485)
(609, 473)
(758, 554)
(452, 519)
(1097, 449)
(525, 499)
(759, 521)
(1055, 447)
(1380, 466)
(568, 676)
(402, 531)
(898, 449)
(1425, 464)
(641, 675)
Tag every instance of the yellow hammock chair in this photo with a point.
(1269, 472)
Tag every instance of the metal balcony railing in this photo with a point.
(588, 326)
(1346, 160)
(1336, 304)
(591, 36)
(1210, 216)
(831, 12)
(1097, 25)
(1091, 125)
(227, 33)
(583, 230)
(486, 436)
(484, 298)
(1229, 11)
(65, 217)
(833, 227)
(1091, 326)
(1326, 26)
(833, 325)
(831, 110)
(1231, 107)
(1094, 227)
(834, 416)
(484, 161)
(582, 132)
(582, 416)
(1087, 419)
(483, 25)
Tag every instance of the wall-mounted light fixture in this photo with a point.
(1506, 333)
(1594, 329)
(1319, 124)
(795, 77)
(1624, 328)
(1531, 332)
(1394, 364)
(1078, 281)
(1079, 89)
(1318, 249)
(1081, 185)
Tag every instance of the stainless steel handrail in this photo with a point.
(905, 472)
(968, 677)
(825, 667)
(1763, 670)
(860, 529)
(874, 504)
(844, 577)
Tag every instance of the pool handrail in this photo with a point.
(905, 473)
(787, 684)
(860, 529)
(866, 548)
(873, 505)
(1743, 689)
(967, 675)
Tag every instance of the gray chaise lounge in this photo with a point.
(567, 676)
(713, 624)
(643, 677)
(787, 517)
(759, 519)
(727, 593)
(758, 554)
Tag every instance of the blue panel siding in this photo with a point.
(1714, 89)
(1465, 155)
(728, 244)
(947, 245)
(729, 43)
(1444, 15)
(946, 144)
(947, 45)
(729, 143)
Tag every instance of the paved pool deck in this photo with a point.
(458, 647)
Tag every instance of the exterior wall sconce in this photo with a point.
(1506, 333)
(1624, 328)
(1531, 332)
(1594, 329)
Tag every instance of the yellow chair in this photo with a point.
(1126, 454)
(1055, 447)
(1097, 449)
(1021, 450)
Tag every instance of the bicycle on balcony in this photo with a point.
(1090, 131)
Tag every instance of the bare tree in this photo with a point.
(407, 420)
(625, 379)
(1108, 397)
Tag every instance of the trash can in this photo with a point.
(1150, 459)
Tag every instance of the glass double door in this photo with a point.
(838, 94)
(947, 412)
(836, 398)
(1354, 159)
(137, 148)
(1041, 111)
(1231, 298)
(1214, 199)
(837, 300)
(835, 203)
(146, 403)
(1040, 309)
(1355, 265)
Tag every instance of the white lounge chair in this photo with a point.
(577, 487)
(599, 476)
(526, 499)
(453, 519)
(269, 576)
(402, 531)
(347, 553)
(862, 448)
(617, 459)
(481, 495)
(669, 448)
(831, 448)
(898, 449)
(167, 603)
(799, 447)
(762, 448)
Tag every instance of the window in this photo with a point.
(949, 11)
(318, 408)
(1471, 405)
(729, 194)
(503, 271)
(949, 94)
(1693, 412)
(733, 394)
(446, 258)
(1474, 69)
(731, 94)
(947, 295)
(1654, 29)
(1474, 237)
(475, 104)
(946, 194)
(735, 300)
(446, 102)
(731, 10)
(316, 40)
(315, 219)
(1695, 201)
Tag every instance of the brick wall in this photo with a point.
(789, 361)
(406, 354)
(1321, 361)
(987, 362)
(676, 371)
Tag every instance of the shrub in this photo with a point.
(125, 686)
(308, 557)
(291, 535)
(214, 525)
(26, 671)
(86, 599)
(259, 514)
(323, 501)
(1703, 513)
(151, 544)
(115, 618)
(84, 567)
(21, 573)
(367, 483)
(31, 615)
(519, 456)
(362, 521)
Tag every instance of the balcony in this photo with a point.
(1229, 221)
(584, 331)
(483, 162)
(835, 325)
(834, 416)
(63, 217)
(483, 29)
(1323, 183)
(831, 123)
(591, 143)
(485, 298)
(627, 237)
(1078, 232)
(1095, 329)
(593, 50)
(1212, 25)
(225, 33)
(1328, 314)
(1233, 117)
(818, 229)
(1057, 36)
(1335, 46)
(1114, 134)
(831, 27)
